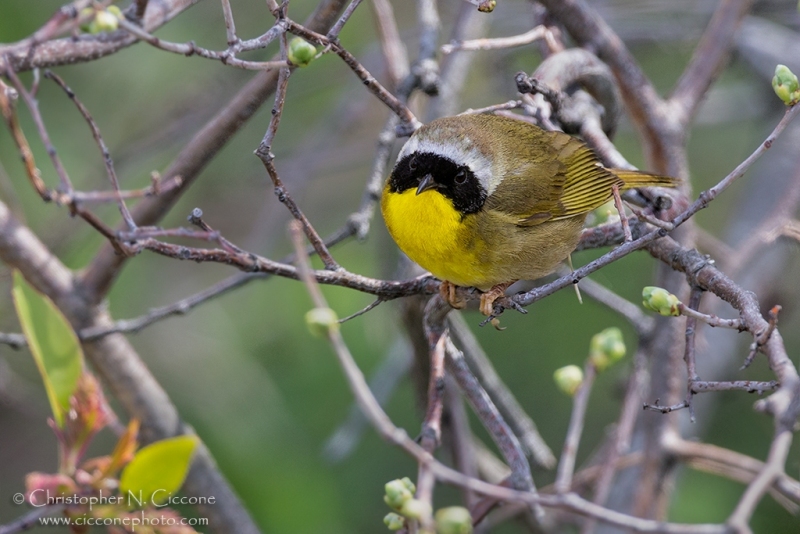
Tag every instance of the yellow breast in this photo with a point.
(431, 232)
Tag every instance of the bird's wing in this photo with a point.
(551, 176)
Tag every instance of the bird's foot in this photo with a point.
(449, 293)
(488, 298)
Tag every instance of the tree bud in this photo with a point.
(569, 379)
(661, 301)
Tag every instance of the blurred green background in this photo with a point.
(243, 370)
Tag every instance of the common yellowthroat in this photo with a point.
(484, 200)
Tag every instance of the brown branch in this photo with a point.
(15, 341)
(121, 369)
(34, 175)
(394, 51)
(643, 324)
(23, 56)
(194, 157)
(33, 106)
(334, 32)
(566, 465)
(539, 32)
(391, 101)
(227, 57)
(730, 464)
(431, 434)
(750, 386)
(783, 404)
(141, 8)
(107, 161)
(519, 421)
(32, 519)
(494, 423)
(230, 25)
(772, 470)
(525, 299)
(638, 93)
(708, 59)
(689, 348)
(399, 437)
(620, 441)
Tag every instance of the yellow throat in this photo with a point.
(432, 233)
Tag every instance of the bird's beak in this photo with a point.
(426, 183)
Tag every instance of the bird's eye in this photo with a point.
(412, 163)
(461, 177)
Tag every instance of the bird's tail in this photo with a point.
(634, 179)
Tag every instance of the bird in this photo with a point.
(484, 200)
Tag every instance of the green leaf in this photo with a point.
(52, 342)
(158, 470)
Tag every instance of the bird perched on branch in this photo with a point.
(484, 200)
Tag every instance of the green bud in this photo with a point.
(321, 321)
(487, 6)
(661, 301)
(786, 85)
(453, 520)
(394, 521)
(569, 379)
(114, 10)
(397, 494)
(301, 52)
(416, 509)
(606, 348)
(409, 485)
(104, 21)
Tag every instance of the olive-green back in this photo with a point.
(550, 175)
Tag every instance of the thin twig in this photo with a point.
(505, 106)
(778, 221)
(494, 423)
(21, 56)
(431, 434)
(381, 422)
(33, 106)
(227, 57)
(708, 58)
(520, 422)
(710, 319)
(230, 26)
(623, 219)
(333, 35)
(750, 386)
(566, 465)
(728, 463)
(689, 349)
(656, 407)
(107, 161)
(642, 323)
(394, 51)
(370, 82)
(620, 442)
(528, 37)
(528, 298)
(383, 383)
(141, 8)
(760, 338)
(15, 341)
(264, 152)
(773, 468)
(31, 519)
(180, 307)
(34, 175)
